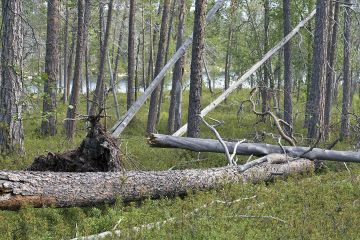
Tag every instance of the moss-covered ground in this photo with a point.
(325, 205)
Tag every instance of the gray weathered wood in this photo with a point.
(119, 126)
(251, 71)
(256, 149)
(60, 189)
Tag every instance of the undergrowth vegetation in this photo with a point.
(325, 205)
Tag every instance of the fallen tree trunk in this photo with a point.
(256, 149)
(60, 189)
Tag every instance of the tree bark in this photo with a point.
(87, 77)
(150, 71)
(69, 70)
(137, 86)
(344, 133)
(75, 91)
(143, 74)
(256, 149)
(131, 54)
(113, 88)
(288, 82)
(161, 97)
(66, 50)
(318, 86)
(119, 43)
(330, 71)
(208, 77)
(11, 126)
(266, 68)
(228, 57)
(98, 100)
(61, 189)
(309, 67)
(48, 124)
(154, 99)
(194, 110)
(174, 120)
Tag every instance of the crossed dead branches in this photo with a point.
(231, 158)
(279, 123)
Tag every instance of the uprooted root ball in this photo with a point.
(98, 152)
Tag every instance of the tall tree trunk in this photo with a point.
(113, 88)
(48, 124)
(154, 100)
(137, 88)
(288, 81)
(87, 77)
(208, 77)
(266, 68)
(309, 67)
(87, 57)
(98, 100)
(317, 90)
(131, 54)
(112, 59)
(330, 71)
(228, 58)
(11, 127)
(119, 43)
(101, 25)
(196, 70)
(70, 123)
(66, 50)
(229, 45)
(69, 71)
(344, 133)
(277, 76)
(174, 121)
(143, 47)
(161, 97)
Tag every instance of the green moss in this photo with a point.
(322, 206)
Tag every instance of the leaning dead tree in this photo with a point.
(120, 126)
(61, 189)
(251, 71)
(256, 149)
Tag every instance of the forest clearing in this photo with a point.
(97, 97)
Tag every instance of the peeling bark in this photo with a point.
(19, 188)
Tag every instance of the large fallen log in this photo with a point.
(256, 149)
(64, 189)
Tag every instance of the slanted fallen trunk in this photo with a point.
(98, 152)
(60, 189)
(256, 149)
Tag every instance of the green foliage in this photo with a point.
(324, 206)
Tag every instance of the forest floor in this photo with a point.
(325, 205)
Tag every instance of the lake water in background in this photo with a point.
(121, 86)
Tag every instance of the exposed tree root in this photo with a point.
(98, 152)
